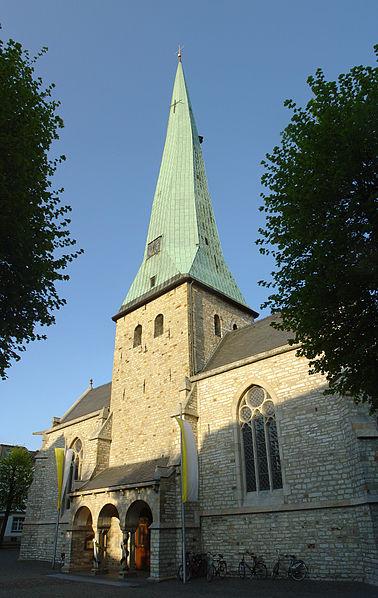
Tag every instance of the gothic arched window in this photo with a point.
(159, 325)
(260, 441)
(137, 336)
(77, 447)
(217, 326)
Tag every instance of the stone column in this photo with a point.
(132, 551)
(124, 565)
(96, 552)
(103, 543)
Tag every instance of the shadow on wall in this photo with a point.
(318, 509)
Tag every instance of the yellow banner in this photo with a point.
(59, 458)
(189, 462)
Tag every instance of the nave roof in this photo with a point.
(91, 400)
(248, 341)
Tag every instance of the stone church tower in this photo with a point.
(182, 300)
(280, 464)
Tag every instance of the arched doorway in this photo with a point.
(138, 521)
(109, 539)
(82, 540)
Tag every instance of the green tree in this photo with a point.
(33, 226)
(322, 230)
(16, 474)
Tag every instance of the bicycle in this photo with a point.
(196, 566)
(296, 570)
(216, 566)
(59, 562)
(258, 568)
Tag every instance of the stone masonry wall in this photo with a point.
(322, 512)
(205, 305)
(148, 380)
(330, 541)
(316, 459)
(39, 526)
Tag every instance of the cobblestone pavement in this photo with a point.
(30, 579)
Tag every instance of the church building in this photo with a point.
(281, 466)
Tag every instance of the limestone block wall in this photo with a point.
(204, 306)
(325, 511)
(148, 380)
(316, 443)
(39, 526)
(330, 541)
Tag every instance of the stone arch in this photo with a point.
(82, 540)
(109, 539)
(138, 521)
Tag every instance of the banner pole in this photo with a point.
(182, 507)
(56, 538)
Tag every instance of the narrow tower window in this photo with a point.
(159, 325)
(234, 327)
(217, 326)
(77, 448)
(137, 336)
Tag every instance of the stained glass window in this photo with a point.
(260, 441)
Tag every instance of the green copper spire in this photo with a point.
(182, 236)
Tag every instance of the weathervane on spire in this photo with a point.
(179, 53)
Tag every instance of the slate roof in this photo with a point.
(247, 342)
(126, 475)
(93, 400)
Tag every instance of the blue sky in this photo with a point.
(113, 64)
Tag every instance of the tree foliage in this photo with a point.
(16, 474)
(321, 228)
(34, 234)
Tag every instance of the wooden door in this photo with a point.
(142, 545)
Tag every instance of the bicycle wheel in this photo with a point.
(297, 571)
(210, 572)
(276, 570)
(222, 569)
(179, 573)
(241, 570)
(260, 571)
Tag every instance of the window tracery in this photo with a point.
(257, 421)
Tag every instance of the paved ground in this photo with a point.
(29, 579)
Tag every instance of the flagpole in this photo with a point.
(182, 508)
(56, 537)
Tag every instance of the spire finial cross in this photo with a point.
(179, 53)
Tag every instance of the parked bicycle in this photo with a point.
(216, 566)
(59, 562)
(196, 566)
(296, 570)
(256, 568)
